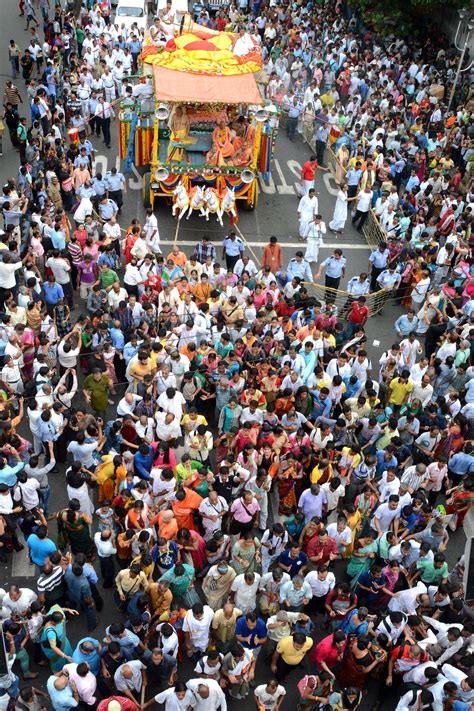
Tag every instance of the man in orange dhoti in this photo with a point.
(185, 503)
(245, 136)
(222, 142)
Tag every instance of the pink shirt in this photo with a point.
(37, 247)
(436, 475)
(242, 512)
(86, 685)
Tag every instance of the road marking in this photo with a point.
(271, 188)
(284, 188)
(327, 177)
(22, 567)
(285, 245)
(135, 183)
(295, 167)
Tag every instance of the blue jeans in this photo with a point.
(44, 494)
(350, 330)
(15, 62)
(13, 690)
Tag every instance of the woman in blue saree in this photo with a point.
(54, 642)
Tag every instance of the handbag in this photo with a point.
(235, 526)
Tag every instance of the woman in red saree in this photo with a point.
(26, 341)
(131, 237)
(460, 500)
(287, 477)
(359, 662)
(451, 443)
(392, 573)
(192, 548)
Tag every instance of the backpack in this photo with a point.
(31, 387)
(410, 686)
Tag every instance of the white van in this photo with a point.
(129, 11)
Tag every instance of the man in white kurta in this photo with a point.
(196, 626)
(315, 229)
(208, 695)
(175, 701)
(307, 209)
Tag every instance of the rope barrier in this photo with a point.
(257, 260)
(375, 301)
(178, 223)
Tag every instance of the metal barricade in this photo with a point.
(331, 160)
(373, 233)
(342, 299)
(308, 131)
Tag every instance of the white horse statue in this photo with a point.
(212, 204)
(180, 201)
(196, 201)
(228, 202)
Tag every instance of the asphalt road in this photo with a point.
(276, 214)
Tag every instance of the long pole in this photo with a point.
(458, 71)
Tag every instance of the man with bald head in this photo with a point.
(129, 679)
(63, 695)
(207, 694)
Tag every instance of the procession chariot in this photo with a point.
(204, 134)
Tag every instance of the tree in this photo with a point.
(404, 18)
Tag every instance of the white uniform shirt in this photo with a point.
(199, 629)
(245, 595)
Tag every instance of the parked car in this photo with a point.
(212, 6)
(129, 11)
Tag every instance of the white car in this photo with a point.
(129, 11)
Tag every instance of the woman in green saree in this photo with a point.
(74, 528)
(54, 642)
(365, 550)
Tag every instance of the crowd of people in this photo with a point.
(262, 503)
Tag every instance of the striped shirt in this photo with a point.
(76, 252)
(11, 95)
(47, 582)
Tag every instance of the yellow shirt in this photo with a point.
(399, 391)
(200, 420)
(327, 99)
(316, 474)
(329, 341)
(289, 654)
(348, 460)
(225, 626)
(141, 369)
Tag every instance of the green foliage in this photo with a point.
(406, 18)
